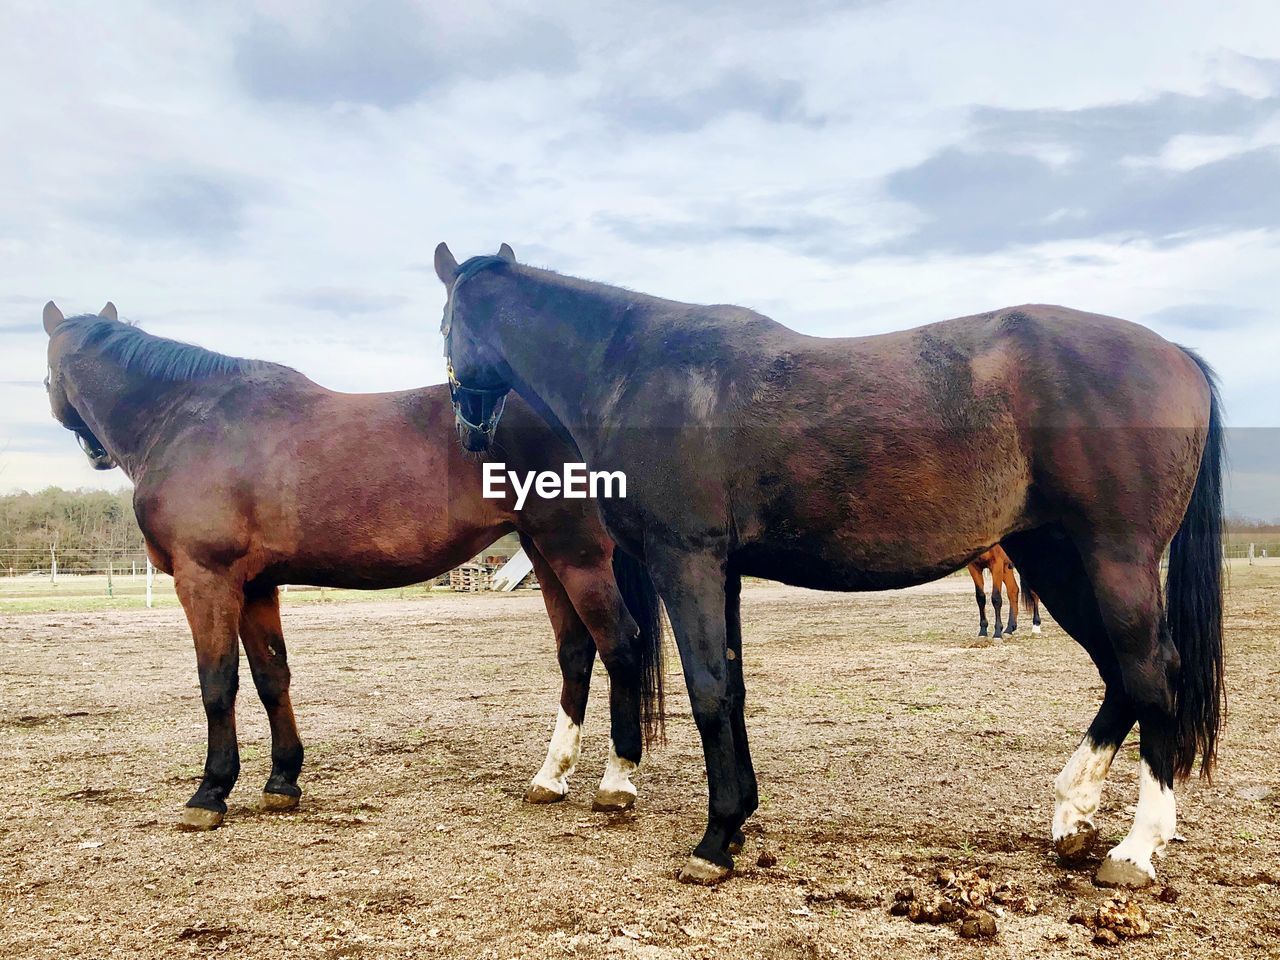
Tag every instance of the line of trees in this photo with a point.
(1244, 527)
(81, 528)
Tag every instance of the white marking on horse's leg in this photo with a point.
(1035, 629)
(562, 756)
(1154, 824)
(617, 774)
(1078, 788)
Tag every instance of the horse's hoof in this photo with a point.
(1035, 630)
(1077, 844)
(1122, 873)
(278, 802)
(736, 843)
(613, 801)
(537, 793)
(703, 872)
(198, 818)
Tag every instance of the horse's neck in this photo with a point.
(122, 409)
(551, 363)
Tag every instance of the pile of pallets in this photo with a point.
(470, 578)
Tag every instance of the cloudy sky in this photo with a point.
(269, 179)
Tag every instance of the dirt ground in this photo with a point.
(888, 745)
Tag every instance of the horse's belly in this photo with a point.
(841, 570)
(876, 550)
(373, 552)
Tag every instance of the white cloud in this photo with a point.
(709, 152)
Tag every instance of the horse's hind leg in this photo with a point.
(1078, 787)
(980, 593)
(263, 640)
(1128, 590)
(997, 585)
(576, 653)
(600, 607)
(1011, 590)
(1050, 564)
(212, 601)
(1035, 613)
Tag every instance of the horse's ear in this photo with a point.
(506, 253)
(52, 317)
(446, 265)
(109, 311)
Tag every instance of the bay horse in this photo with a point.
(247, 475)
(862, 464)
(1003, 575)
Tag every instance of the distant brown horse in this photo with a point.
(1002, 575)
(248, 475)
(862, 463)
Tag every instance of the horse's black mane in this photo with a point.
(603, 291)
(148, 355)
(473, 266)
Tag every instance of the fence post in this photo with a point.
(1251, 554)
(151, 576)
(110, 576)
(53, 565)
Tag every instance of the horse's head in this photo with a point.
(64, 410)
(479, 378)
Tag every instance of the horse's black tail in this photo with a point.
(1027, 598)
(641, 598)
(1193, 602)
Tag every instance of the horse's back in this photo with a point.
(311, 482)
(304, 484)
(898, 455)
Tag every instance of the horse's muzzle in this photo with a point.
(477, 425)
(99, 459)
(473, 440)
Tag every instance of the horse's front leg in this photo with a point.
(738, 697)
(212, 600)
(693, 586)
(263, 640)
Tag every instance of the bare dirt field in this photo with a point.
(889, 747)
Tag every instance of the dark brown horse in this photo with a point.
(248, 475)
(1003, 576)
(863, 464)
